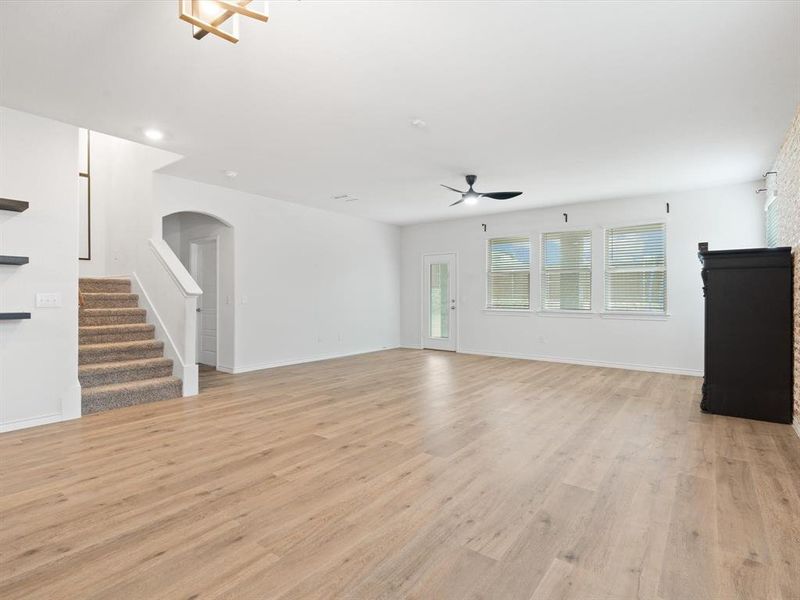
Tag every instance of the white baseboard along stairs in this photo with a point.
(120, 361)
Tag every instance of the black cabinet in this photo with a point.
(748, 333)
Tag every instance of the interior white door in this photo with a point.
(204, 271)
(439, 302)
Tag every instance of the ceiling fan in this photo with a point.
(471, 196)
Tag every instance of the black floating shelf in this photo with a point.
(13, 205)
(13, 260)
(14, 316)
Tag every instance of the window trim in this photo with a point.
(621, 314)
(567, 311)
(514, 312)
(487, 272)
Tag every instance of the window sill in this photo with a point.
(577, 314)
(569, 314)
(632, 316)
(519, 312)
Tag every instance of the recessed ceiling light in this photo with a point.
(230, 174)
(154, 134)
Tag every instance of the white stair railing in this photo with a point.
(169, 293)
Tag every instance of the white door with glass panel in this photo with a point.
(439, 302)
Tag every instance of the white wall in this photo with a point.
(39, 357)
(123, 207)
(309, 284)
(726, 217)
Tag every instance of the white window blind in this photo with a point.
(567, 270)
(636, 269)
(772, 223)
(509, 273)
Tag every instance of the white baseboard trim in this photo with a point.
(589, 363)
(71, 403)
(297, 361)
(30, 422)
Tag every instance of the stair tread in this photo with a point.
(108, 310)
(103, 279)
(109, 294)
(133, 386)
(92, 285)
(116, 328)
(123, 365)
(121, 345)
(109, 299)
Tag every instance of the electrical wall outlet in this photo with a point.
(49, 300)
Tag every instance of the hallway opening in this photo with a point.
(204, 244)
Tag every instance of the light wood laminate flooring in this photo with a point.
(406, 474)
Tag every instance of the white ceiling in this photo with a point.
(564, 101)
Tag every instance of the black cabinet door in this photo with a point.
(748, 353)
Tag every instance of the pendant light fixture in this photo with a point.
(219, 17)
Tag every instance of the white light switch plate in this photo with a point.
(50, 300)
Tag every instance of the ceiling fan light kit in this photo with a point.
(471, 197)
(219, 17)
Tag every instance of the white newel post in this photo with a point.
(190, 343)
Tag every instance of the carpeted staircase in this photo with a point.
(120, 361)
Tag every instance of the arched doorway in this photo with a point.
(204, 244)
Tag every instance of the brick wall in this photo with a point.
(788, 187)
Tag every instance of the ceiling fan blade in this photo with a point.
(501, 195)
(457, 202)
(454, 189)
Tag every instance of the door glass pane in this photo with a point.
(440, 301)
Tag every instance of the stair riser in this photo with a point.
(105, 401)
(107, 338)
(95, 379)
(90, 320)
(126, 301)
(121, 286)
(88, 357)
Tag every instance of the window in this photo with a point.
(509, 273)
(772, 223)
(567, 270)
(636, 269)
